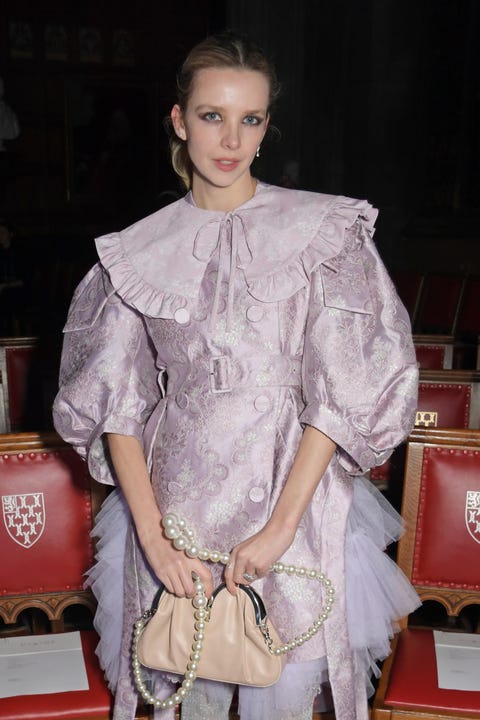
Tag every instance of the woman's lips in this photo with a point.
(226, 165)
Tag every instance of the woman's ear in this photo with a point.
(177, 122)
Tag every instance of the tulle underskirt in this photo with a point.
(378, 595)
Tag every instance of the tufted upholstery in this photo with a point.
(440, 554)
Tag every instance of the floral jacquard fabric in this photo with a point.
(214, 338)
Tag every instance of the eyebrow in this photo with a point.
(218, 108)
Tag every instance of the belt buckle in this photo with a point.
(220, 369)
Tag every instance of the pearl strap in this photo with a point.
(183, 539)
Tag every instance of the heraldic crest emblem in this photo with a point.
(24, 517)
(472, 514)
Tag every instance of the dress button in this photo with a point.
(256, 494)
(181, 399)
(254, 313)
(182, 316)
(262, 403)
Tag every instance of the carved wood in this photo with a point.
(52, 604)
(450, 376)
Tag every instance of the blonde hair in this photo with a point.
(223, 50)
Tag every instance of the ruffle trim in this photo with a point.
(137, 292)
(325, 248)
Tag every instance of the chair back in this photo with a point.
(47, 504)
(440, 550)
(21, 401)
(409, 286)
(434, 352)
(468, 319)
(439, 304)
(449, 398)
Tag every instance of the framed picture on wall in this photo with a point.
(90, 45)
(111, 136)
(21, 40)
(56, 42)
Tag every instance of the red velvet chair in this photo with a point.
(440, 554)
(48, 501)
(21, 392)
(449, 398)
(434, 352)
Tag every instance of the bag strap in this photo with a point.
(183, 539)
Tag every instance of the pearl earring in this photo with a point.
(257, 154)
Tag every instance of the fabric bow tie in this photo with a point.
(229, 234)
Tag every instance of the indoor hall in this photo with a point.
(380, 101)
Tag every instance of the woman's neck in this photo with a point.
(209, 197)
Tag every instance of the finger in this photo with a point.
(249, 576)
(228, 576)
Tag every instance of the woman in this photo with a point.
(290, 372)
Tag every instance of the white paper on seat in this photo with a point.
(42, 664)
(458, 660)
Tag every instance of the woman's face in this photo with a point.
(224, 123)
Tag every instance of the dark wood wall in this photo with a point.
(90, 84)
(381, 100)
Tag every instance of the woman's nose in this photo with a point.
(231, 137)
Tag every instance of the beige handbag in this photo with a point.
(226, 638)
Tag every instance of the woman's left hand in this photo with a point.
(256, 555)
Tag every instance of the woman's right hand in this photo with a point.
(172, 567)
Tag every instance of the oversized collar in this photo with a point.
(278, 236)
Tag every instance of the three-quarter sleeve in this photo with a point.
(108, 376)
(360, 374)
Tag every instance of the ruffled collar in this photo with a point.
(278, 237)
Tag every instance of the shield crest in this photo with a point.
(24, 517)
(472, 514)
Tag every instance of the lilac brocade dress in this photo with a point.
(276, 315)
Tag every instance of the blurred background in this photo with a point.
(380, 101)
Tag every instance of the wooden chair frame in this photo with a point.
(452, 600)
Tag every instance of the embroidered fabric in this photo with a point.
(221, 458)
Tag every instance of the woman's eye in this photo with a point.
(252, 120)
(211, 116)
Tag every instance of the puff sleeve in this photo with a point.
(360, 374)
(108, 376)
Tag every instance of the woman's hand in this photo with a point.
(256, 555)
(172, 567)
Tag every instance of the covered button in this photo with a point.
(182, 316)
(254, 313)
(256, 494)
(262, 403)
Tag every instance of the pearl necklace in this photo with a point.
(183, 539)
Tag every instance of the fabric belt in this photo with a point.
(222, 374)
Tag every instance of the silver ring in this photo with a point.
(248, 577)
